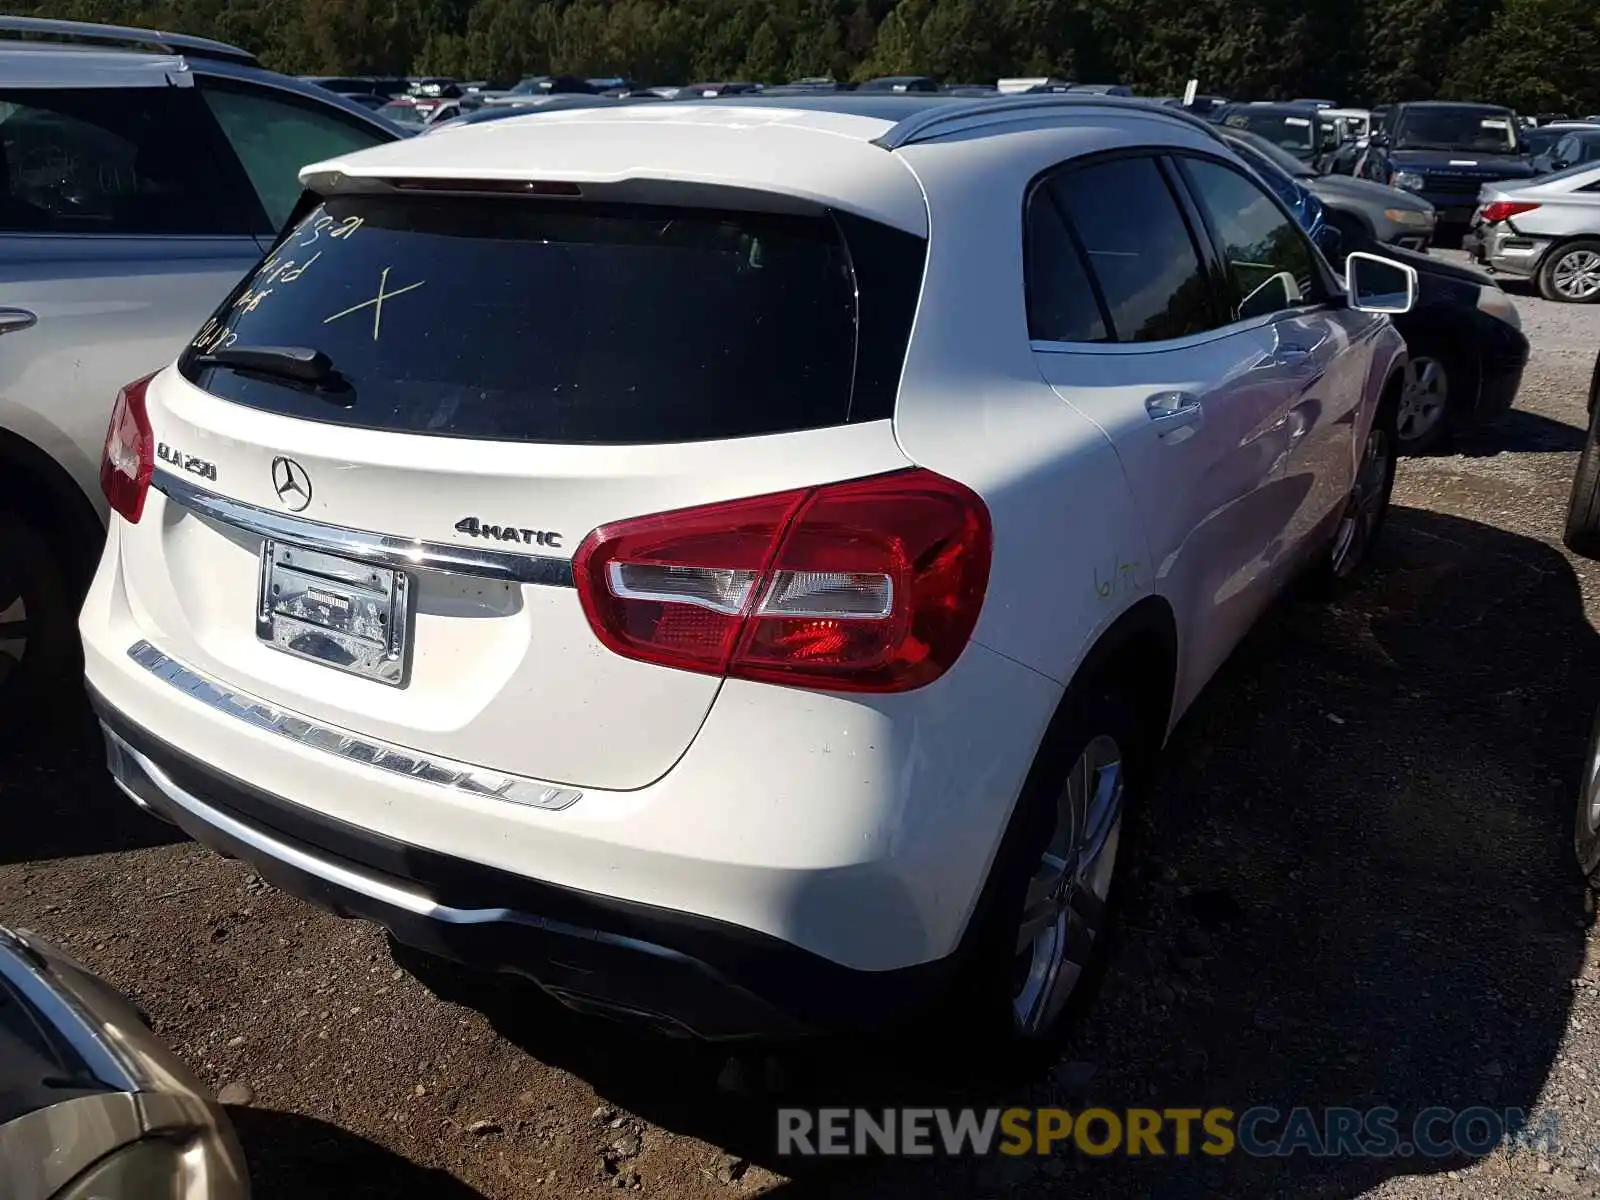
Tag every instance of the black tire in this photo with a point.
(1582, 535)
(1457, 370)
(1587, 835)
(41, 671)
(980, 1008)
(1549, 268)
(1336, 568)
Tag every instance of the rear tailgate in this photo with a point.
(506, 376)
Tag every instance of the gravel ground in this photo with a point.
(1356, 888)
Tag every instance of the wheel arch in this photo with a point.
(35, 487)
(1557, 245)
(1139, 650)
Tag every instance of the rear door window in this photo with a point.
(1138, 247)
(1062, 306)
(126, 161)
(558, 321)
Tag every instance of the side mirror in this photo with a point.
(1379, 285)
(1559, 164)
(1377, 139)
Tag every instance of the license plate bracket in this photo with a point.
(340, 612)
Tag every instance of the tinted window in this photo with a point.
(1490, 130)
(551, 321)
(1270, 263)
(1295, 133)
(109, 160)
(274, 138)
(1138, 247)
(1061, 302)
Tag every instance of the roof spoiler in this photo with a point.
(44, 29)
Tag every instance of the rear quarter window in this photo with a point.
(568, 321)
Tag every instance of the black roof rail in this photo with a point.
(931, 122)
(45, 29)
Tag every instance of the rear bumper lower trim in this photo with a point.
(675, 970)
(402, 554)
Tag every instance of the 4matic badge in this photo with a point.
(473, 527)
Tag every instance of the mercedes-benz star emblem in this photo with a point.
(290, 481)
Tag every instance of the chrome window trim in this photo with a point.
(1043, 346)
(405, 554)
(482, 782)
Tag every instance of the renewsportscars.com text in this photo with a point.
(1260, 1131)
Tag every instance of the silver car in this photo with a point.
(1545, 229)
(141, 174)
(92, 1105)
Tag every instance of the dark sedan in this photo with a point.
(1467, 352)
(1298, 129)
(1367, 215)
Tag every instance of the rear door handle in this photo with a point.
(1173, 410)
(14, 320)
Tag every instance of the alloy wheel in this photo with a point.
(1576, 275)
(1065, 908)
(1589, 811)
(1364, 509)
(1424, 397)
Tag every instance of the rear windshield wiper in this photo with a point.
(298, 366)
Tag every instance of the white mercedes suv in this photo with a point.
(733, 562)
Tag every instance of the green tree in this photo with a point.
(1537, 56)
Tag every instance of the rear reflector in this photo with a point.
(870, 585)
(129, 457)
(1504, 210)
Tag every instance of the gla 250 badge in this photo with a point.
(186, 462)
(473, 527)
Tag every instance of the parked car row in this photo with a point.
(527, 638)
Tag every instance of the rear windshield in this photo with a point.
(562, 321)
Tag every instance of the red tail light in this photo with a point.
(1504, 210)
(130, 454)
(872, 585)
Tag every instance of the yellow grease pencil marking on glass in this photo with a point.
(376, 303)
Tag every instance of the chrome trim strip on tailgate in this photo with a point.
(461, 777)
(382, 549)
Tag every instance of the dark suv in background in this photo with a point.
(1444, 152)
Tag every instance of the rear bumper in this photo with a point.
(1505, 250)
(670, 969)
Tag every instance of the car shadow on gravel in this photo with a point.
(1518, 430)
(57, 800)
(1356, 888)
(292, 1157)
